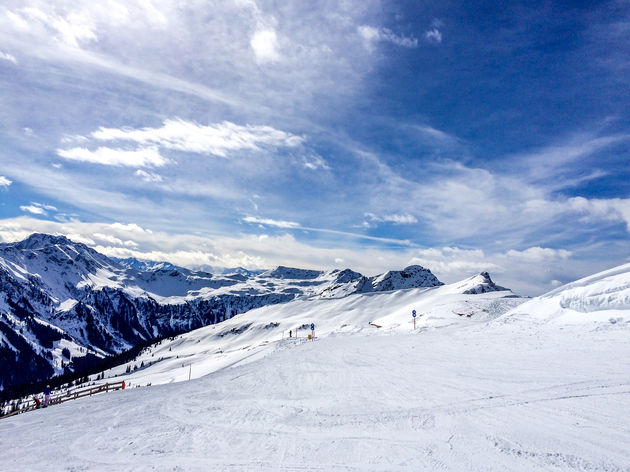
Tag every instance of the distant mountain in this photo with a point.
(145, 265)
(63, 305)
(481, 283)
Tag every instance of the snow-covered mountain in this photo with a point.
(257, 332)
(604, 296)
(145, 265)
(484, 382)
(63, 305)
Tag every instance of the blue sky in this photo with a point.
(361, 134)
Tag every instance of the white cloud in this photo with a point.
(218, 139)
(371, 35)
(130, 227)
(4, 182)
(148, 176)
(433, 35)
(397, 219)
(79, 238)
(459, 202)
(270, 222)
(108, 238)
(435, 133)
(612, 209)
(38, 208)
(453, 262)
(71, 29)
(8, 57)
(547, 163)
(143, 157)
(314, 161)
(35, 210)
(264, 43)
(539, 254)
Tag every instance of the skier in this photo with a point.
(46, 395)
(38, 403)
(290, 333)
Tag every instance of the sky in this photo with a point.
(461, 136)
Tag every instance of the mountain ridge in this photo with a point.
(59, 296)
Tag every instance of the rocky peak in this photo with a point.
(40, 240)
(410, 277)
(480, 283)
(282, 272)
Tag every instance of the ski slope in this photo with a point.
(249, 336)
(497, 390)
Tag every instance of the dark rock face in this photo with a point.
(410, 277)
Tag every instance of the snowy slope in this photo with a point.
(253, 334)
(600, 297)
(457, 393)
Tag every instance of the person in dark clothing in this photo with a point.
(46, 395)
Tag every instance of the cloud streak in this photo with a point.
(217, 139)
(143, 157)
(371, 35)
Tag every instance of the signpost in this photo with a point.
(413, 313)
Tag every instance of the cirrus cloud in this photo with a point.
(217, 139)
(143, 157)
(372, 35)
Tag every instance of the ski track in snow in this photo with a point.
(447, 399)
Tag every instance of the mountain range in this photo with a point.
(64, 306)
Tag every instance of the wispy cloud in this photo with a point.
(539, 254)
(546, 162)
(143, 157)
(218, 139)
(37, 208)
(271, 222)
(8, 57)
(434, 35)
(371, 34)
(314, 161)
(594, 209)
(396, 219)
(148, 176)
(4, 182)
(71, 29)
(348, 234)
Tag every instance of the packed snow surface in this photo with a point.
(479, 385)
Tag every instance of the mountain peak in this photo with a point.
(480, 283)
(410, 277)
(39, 240)
(282, 272)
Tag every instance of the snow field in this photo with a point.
(535, 386)
(448, 399)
